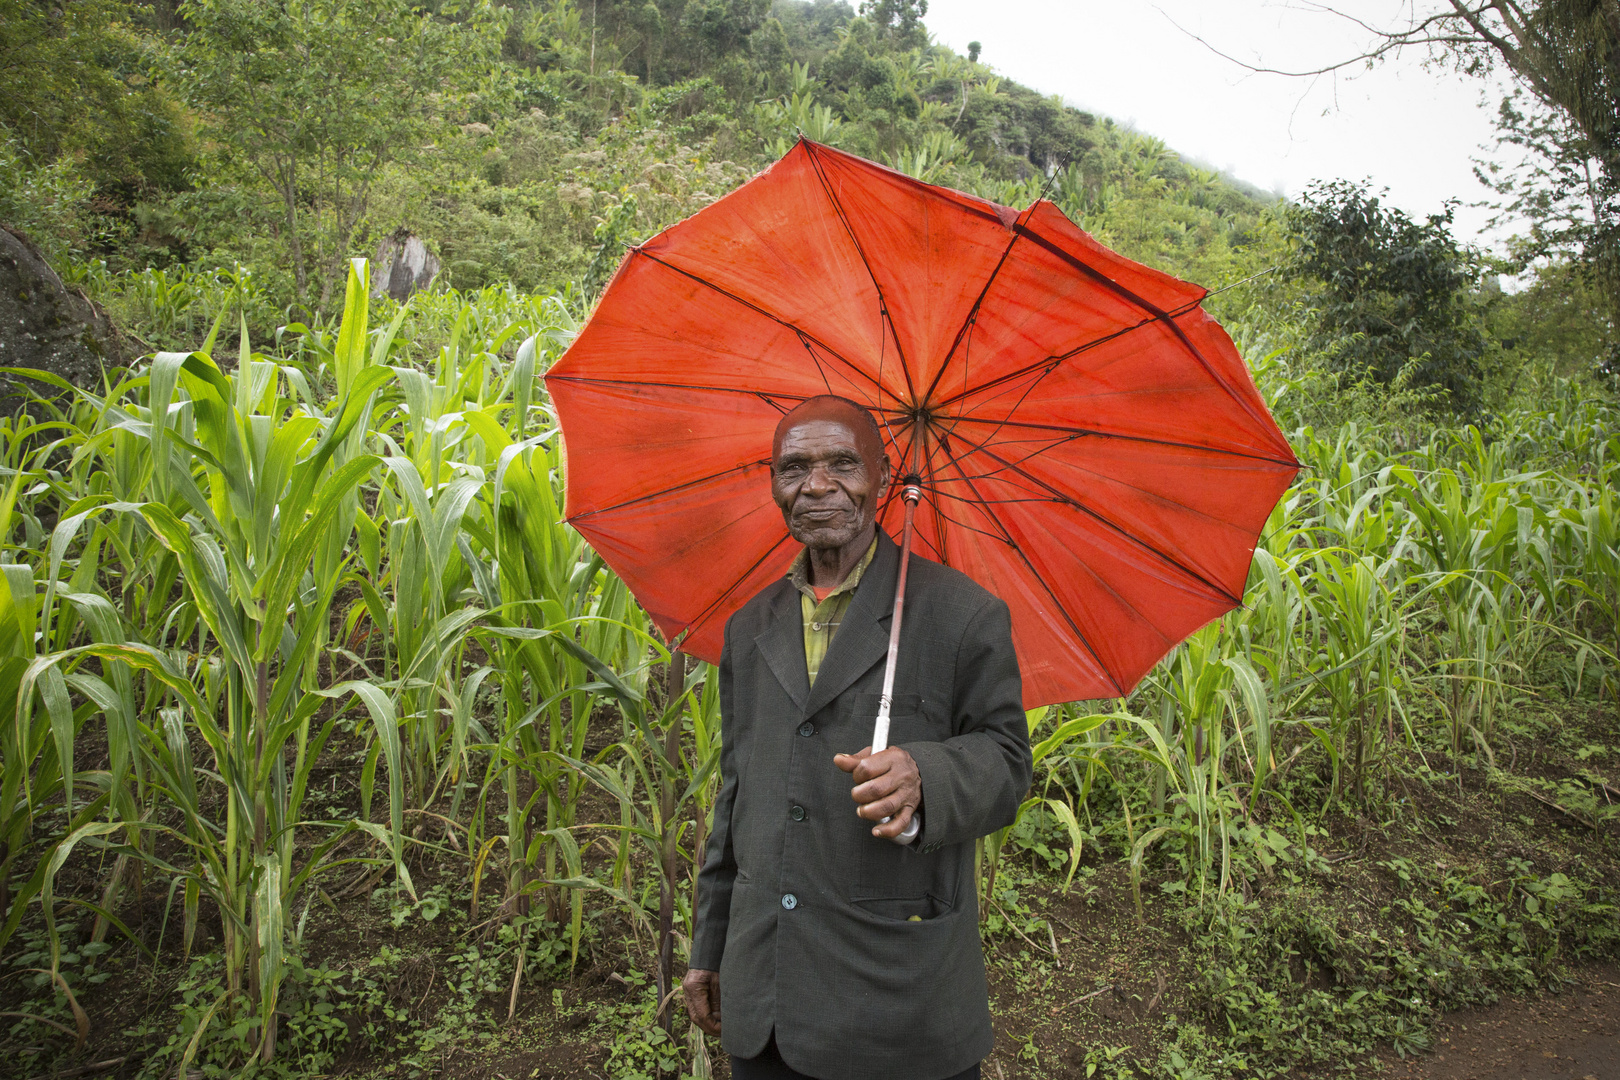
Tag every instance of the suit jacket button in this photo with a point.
(797, 813)
(789, 901)
(807, 729)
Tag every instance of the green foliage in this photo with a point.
(1558, 319)
(49, 203)
(315, 99)
(504, 150)
(347, 555)
(1391, 298)
(78, 83)
(1297, 982)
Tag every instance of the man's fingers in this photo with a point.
(697, 1007)
(849, 762)
(702, 992)
(887, 807)
(877, 788)
(874, 765)
(887, 785)
(713, 1026)
(866, 765)
(894, 826)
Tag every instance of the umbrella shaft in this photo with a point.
(880, 730)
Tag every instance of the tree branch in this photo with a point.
(1421, 32)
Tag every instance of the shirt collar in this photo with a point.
(799, 573)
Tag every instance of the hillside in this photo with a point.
(523, 140)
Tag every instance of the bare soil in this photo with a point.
(1574, 1035)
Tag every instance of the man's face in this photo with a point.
(827, 487)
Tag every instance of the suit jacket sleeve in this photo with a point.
(973, 782)
(719, 870)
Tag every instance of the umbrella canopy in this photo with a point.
(1091, 447)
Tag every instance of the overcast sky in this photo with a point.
(1412, 130)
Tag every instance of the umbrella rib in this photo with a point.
(816, 360)
(1006, 538)
(1035, 497)
(973, 312)
(883, 301)
(769, 397)
(682, 486)
(1148, 306)
(721, 599)
(765, 395)
(933, 500)
(1051, 362)
(803, 334)
(1066, 500)
(939, 517)
(1076, 432)
(894, 488)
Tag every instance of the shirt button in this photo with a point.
(807, 729)
(815, 626)
(797, 813)
(789, 901)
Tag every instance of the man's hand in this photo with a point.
(703, 999)
(887, 785)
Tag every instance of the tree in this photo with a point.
(1391, 298)
(1558, 187)
(901, 21)
(1566, 54)
(1572, 206)
(317, 97)
(76, 92)
(49, 74)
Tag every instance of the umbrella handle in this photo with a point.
(911, 495)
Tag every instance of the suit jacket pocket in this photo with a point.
(916, 727)
(855, 711)
(904, 908)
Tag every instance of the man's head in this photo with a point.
(829, 472)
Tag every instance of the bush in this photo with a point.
(1389, 297)
(50, 203)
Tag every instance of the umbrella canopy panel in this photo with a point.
(1092, 448)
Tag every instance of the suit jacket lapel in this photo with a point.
(782, 645)
(863, 635)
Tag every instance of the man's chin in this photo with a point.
(826, 537)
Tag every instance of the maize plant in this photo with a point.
(249, 504)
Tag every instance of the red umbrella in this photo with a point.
(1090, 445)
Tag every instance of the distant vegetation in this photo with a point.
(215, 132)
(527, 143)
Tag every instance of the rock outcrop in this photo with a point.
(402, 266)
(47, 326)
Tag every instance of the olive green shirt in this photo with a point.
(821, 617)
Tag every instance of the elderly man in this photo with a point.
(839, 952)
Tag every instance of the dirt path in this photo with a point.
(1574, 1035)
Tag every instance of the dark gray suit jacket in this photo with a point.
(804, 913)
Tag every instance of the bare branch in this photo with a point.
(1422, 32)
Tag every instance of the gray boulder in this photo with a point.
(45, 325)
(403, 265)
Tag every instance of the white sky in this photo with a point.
(1412, 130)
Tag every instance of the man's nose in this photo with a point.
(820, 481)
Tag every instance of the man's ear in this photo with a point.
(883, 476)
